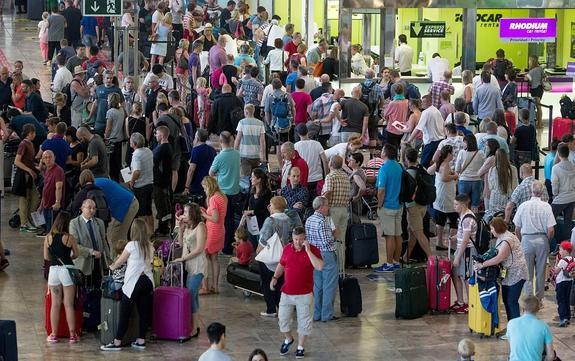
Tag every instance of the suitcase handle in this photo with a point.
(181, 273)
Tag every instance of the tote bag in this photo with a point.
(272, 252)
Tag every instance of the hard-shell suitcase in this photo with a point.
(361, 245)
(439, 283)
(410, 293)
(63, 330)
(110, 312)
(92, 309)
(479, 320)
(246, 278)
(8, 344)
(172, 315)
(561, 126)
(350, 296)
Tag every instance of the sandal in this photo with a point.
(213, 291)
(203, 292)
(196, 334)
(52, 339)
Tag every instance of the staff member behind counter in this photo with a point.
(404, 56)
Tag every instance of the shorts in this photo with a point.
(390, 221)
(415, 216)
(537, 92)
(474, 189)
(372, 131)
(144, 197)
(59, 275)
(303, 305)
(247, 165)
(176, 161)
(464, 268)
(442, 217)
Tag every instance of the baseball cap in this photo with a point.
(566, 245)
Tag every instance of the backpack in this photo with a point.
(280, 113)
(567, 107)
(369, 97)
(425, 191)
(500, 68)
(68, 91)
(482, 238)
(236, 115)
(102, 210)
(412, 91)
(408, 187)
(91, 68)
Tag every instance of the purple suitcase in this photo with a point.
(172, 317)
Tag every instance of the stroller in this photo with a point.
(369, 200)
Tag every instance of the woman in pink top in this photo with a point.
(302, 102)
(214, 216)
(396, 112)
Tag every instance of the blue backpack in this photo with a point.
(280, 113)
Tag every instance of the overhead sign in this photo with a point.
(427, 29)
(534, 30)
(102, 7)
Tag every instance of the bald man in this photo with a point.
(221, 113)
(5, 90)
(90, 234)
(53, 190)
(324, 87)
(355, 116)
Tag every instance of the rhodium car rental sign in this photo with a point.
(528, 30)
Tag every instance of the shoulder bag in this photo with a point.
(272, 252)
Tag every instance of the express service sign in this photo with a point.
(534, 30)
(427, 29)
(102, 7)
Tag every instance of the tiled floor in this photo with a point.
(375, 335)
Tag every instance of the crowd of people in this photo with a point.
(104, 158)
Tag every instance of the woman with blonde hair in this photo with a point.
(182, 60)
(62, 109)
(215, 216)
(138, 285)
(160, 46)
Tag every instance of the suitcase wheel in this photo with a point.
(247, 294)
(371, 215)
(481, 336)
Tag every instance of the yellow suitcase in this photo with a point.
(479, 319)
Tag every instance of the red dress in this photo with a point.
(216, 230)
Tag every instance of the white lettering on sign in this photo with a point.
(111, 6)
(528, 26)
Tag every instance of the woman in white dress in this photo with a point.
(160, 47)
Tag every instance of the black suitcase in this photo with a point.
(92, 309)
(246, 278)
(410, 293)
(361, 245)
(8, 344)
(35, 9)
(350, 296)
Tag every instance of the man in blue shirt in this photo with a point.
(58, 145)
(487, 98)
(292, 76)
(34, 104)
(389, 209)
(201, 160)
(529, 336)
(123, 208)
(100, 107)
(226, 167)
(16, 122)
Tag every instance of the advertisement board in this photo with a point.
(528, 30)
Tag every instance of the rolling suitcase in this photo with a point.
(63, 330)
(110, 311)
(561, 126)
(439, 284)
(172, 315)
(92, 309)
(410, 293)
(246, 278)
(8, 344)
(479, 320)
(361, 245)
(350, 296)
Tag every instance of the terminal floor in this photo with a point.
(374, 335)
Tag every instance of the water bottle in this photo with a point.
(421, 58)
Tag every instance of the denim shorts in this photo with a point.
(473, 189)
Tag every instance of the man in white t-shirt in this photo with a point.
(431, 125)
(436, 66)
(166, 82)
(477, 79)
(313, 154)
(404, 56)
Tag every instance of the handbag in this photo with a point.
(547, 86)
(252, 225)
(111, 289)
(318, 70)
(272, 252)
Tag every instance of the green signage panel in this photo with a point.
(427, 29)
(102, 7)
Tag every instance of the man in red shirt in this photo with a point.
(291, 46)
(289, 157)
(298, 261)
(53, 191)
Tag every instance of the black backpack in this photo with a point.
(236, 115)
(500, 68)
(425, 191)
(408, 187)
(102, 210)
(567, 107)
(482, 238)
(67, 90)
(369, 97)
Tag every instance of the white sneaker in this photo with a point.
(265, 314)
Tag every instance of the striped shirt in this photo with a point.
(251, 129)
(320, 110)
